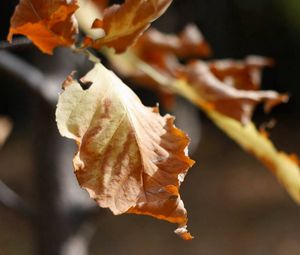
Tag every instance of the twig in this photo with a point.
(29, 74)
(16, 43)
(78, 242)
(13, 201)
(92, 57)
(81, 215)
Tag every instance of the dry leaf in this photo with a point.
(228, 86)
(214, 92)
(123, 24)
(130, 158)
(245, 74)
(163, 50)
(235, 103)
(47, 23)
(189, 43)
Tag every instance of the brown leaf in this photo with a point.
(189, 43)
(162, 51)
(235, 103)
(228, 86)
(47, 23)
(245, 75)
(123, 24)
(130, 158)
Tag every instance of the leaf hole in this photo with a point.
(85, 84)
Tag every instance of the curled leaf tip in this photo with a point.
(183, 233)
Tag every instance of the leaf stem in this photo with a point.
(92, 57)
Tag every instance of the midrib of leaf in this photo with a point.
(124, 102)
(33, 9)
(128, 113)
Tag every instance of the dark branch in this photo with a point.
(15, 44)
(79, 241)
(30, 75)
(83, 214)
(13, 201)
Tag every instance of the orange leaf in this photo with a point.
(47, 23)
(130, 158)
(123, 24)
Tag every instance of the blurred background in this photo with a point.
(235, 205)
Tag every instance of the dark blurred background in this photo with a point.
(235, 205)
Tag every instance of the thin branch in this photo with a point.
(30, 75)
(15, 44)
(81, 215)
(79, 242)
(13, 201)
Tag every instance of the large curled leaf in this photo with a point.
(130, 158)
(47, 23)
(124, 23)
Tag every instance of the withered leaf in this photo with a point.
(130, 159)
(47, 23)
(124, 23)
(163, 50)
(242, 74)
(236, 97)
(189, 43)
(228, 86)
(235, 103)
